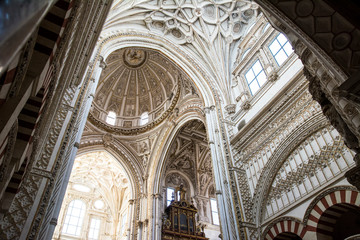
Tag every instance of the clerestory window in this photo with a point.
(214, 211)
(94, 229)
(111, 118)
(169, 195)
(255, 77)
(144, 118)
(74, 218)
(280, 48)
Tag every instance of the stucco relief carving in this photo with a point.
(190, 155)
(200, 19)
(11, 139)
(176, 179)
(253, 146)
(134, 57)
(353, 175)
(331, 113)
(15, 219)
(319, 64)
(299, 111)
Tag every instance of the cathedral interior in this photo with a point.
(180, 119)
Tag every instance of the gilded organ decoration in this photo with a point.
(179, 221)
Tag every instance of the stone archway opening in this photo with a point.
(338, 222)
(97, 202)
(188, 163)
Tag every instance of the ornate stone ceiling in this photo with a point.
(99, 169)
(101, 172)
(208, 30)
(185, 20)
(136, 81)
(190, 155)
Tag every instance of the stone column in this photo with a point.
(131, 228)
(157, 216)
(140, 229)
(146, 227)
(221, 160)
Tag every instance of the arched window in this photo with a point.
(169, 195)
(94, 229)
(123, 223)
(255, 77)
(280, 48)
(144, 118)
(214, 211)
(74, 218)
(111, 118)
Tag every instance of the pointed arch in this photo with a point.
(127, 160)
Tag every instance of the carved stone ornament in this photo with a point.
(230, 108)
(273, 76)
(331, 113)
(246, 105)
(108, 139)
(134, 57)
(102, 64)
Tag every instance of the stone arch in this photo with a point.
(279, 156)
(186, 178)
(203, 81)
(162, 161)
(284, 225)
(159, 164)
(133, 174)
(131, 167)
(342, 196)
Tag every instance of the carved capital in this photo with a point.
(206, 110)
(53, 221)
(331, 113)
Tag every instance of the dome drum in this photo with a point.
(136, 83)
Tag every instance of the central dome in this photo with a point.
(135, 82)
